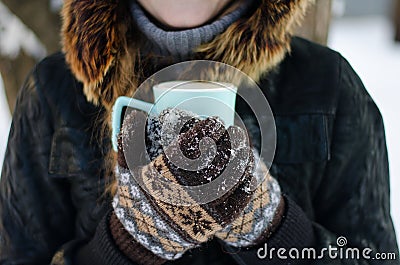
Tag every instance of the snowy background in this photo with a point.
(365, 40)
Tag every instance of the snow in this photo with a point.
(5, 121)
(15, 36)
(367, 42)
(56, 5)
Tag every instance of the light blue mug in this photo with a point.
(202, 98)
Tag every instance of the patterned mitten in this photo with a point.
(260, 217)
(153, 202)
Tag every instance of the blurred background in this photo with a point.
(366, 32)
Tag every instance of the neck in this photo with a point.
(181, 43)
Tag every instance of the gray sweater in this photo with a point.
(181, 43)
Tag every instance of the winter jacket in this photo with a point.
(331, 158)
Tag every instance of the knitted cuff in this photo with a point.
(260, 217)
(133, 250)
(139, 218)
(294, 231)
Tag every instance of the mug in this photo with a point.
(202, 98)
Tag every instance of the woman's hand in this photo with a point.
(153, 201)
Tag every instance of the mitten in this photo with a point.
(261, 216)
(153, 202)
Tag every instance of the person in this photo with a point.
(329, 179)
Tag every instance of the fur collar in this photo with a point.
(102, 53)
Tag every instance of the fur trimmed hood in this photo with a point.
(101, 45)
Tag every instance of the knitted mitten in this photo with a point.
(260, 217)
(160, 213)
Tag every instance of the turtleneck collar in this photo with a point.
(102, 48)
(180, 44)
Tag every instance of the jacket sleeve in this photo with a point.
(36, 214)
(44, 219)
(353, 201)
(352, 205)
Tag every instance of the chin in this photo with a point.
(181, 14)
(185, 23)
(188, 20)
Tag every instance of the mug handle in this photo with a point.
(119, 105)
